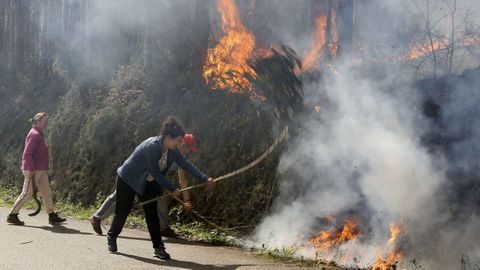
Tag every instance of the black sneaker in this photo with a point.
(13, 219)
(111, 244)
(96, 224)
(161, 254)
(53, 218)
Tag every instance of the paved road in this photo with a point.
(39, 245)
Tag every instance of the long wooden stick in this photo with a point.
(282, 137)
(202, 217)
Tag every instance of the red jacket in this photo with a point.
(35, 153)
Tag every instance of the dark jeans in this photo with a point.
(125, 197)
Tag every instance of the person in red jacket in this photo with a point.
(35, 168)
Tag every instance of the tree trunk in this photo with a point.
(432, 46)
(3, 10)
(345, 26)
(18, 35)
(328, 34)
(86, 39)
(200, 27)
(452, 38)
(146, 41)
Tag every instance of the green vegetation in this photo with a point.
(198, 231)
(90, 135)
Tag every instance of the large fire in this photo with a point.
(348, 230)
(226, 65)
(336, 236)
(394, 254)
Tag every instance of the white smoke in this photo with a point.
(366, 152)
(362, 157)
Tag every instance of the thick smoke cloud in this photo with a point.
(363, 158)
(367, 155)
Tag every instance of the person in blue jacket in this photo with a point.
(152, 157)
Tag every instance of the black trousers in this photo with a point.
(125, 197)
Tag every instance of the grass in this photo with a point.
(198, 231)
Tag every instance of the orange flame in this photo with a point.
(394, 254)
(226, 65)
(442, 44)
(395, 231)
(425, 49)
(335, 237)
(318, 44)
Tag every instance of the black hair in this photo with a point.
(172, 127)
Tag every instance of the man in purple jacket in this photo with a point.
(35, 168)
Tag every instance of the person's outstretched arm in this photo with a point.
(188, 167)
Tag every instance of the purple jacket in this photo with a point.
(35, 153)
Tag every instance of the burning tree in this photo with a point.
(333, 34)
(265, 74)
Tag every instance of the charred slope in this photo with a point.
(451, 107)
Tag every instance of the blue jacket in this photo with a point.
(144, 160)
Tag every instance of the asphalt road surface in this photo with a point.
(74, 245)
